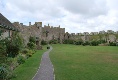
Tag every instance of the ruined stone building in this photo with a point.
(34, 30)
(109, 36)
(6, 27)
(53, 33)
(48, 33)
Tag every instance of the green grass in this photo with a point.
(73, 62)
(27, 70)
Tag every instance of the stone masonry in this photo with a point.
(53, 33)
(31, 30)
(48, 33)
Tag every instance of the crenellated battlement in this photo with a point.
(59, 33)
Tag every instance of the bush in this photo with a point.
(9, 61)
(2, 58)
(94, 43)
(65, 41)
(14, 45)
(2, 47)
(12, 62)
(79, 42)
(25, 51)
(32, 39)
(68, 41)
(31, 45)
(5, 72)
(101, 41)
(43, 42)
(20, 59)
(30, 53)
(116, 43)
(12, 50)
(112, 44)
(86, 43)
(53, 42)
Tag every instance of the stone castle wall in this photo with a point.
(56, 33)
(31, 30)
(48, 33)
(36, 30)
(109, 37)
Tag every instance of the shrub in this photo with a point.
(94, 43)
(20, 59)
(53, 42)
(86, 43)
(32, 39)
(43, 42)
(79, 42)
(101, 41)
(31, 45)
(5, 72)
(69, 41)
(65, 41)
(30, 53)
(2, 58)
(9, 61)
(14, 45)
(2, 47)
(83, 44)
(17, 40)
(25, 51)
(116, 43)
(12, 62)
(112, 44)
(12, 50)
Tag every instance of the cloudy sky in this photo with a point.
(73, 15)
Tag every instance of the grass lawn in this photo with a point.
(27, 70)
(73, 62)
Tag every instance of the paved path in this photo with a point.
(46, 70)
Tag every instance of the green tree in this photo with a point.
(14, 45)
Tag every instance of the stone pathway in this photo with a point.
(46, 70)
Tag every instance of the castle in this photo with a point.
(48, 32)
(36, 30)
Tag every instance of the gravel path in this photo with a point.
(46, 70)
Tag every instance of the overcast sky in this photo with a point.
(74, 15)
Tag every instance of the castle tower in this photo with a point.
(38, 24)
(29, 23)
(59, 26)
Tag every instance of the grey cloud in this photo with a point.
(88, 8)
(48, 8)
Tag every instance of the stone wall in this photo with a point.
(31, 30)
(107, 37)
(51, 33)
(48, 33)
(5, 33)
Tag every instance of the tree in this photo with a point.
(14, 45)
